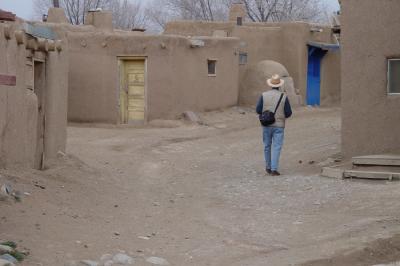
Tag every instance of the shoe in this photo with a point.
(275, 173)
(268, 171)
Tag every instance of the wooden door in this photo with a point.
(315, 56)
(134, 87)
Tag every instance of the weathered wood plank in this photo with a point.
(8, 80)
(371, 175)
(383, 160)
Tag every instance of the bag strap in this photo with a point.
(280, 100)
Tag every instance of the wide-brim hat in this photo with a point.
(275, 81)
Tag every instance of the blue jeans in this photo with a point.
(273, 141)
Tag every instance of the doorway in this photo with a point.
(39, 82)
(132, 91)
(315, 56)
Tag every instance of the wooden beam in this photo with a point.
(384, 160)
(371, 175)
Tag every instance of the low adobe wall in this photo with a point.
(370, 117)
(177, 78)
(19, 104)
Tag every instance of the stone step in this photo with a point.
(382, 160)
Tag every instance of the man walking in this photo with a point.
(273, 134)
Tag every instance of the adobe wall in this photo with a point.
(19, 104)
(295, 54)
(197, 28)
(253, 41)
(57, 66)
(177, 78)
(285, 43)
(370, 117)
(330, 79)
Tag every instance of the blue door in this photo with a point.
(315, 56)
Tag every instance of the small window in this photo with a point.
(212, 67)
(239, 21)
(394, 76)
(242, 58)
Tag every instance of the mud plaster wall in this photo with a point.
(18, 105)
(285, 43)
(56, 102)
(253, 41)
(295, 55)
(198, 28)
(370, 117)
(56, 94)
(177, 77)
(330, 79)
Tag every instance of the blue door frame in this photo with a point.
(315, 55)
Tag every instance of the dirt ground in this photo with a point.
(198, 195)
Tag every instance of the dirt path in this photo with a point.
(198, 195)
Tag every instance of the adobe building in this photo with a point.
(308, 55)
(128, 77)
(370, 77)
(33, 93)
(124, 77)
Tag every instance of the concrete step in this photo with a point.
(382, 160)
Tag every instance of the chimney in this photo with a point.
(237, 13)
(56, 15)
(99, 19)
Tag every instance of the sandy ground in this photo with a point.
(198, 195)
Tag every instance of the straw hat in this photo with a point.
(275, 81)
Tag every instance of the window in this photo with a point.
(242, 58)
(394, 76)
(239, 21)
(212, 67)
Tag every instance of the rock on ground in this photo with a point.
(157, 261)
(6, 263)
(106, 257)
(9, 258)
(88, 263)
(191, 116)
(5, 249)
(82, 263)
(123, 259)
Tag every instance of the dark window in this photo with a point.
(394, 76)
(242, 58)
(212, 67)
(239, 21)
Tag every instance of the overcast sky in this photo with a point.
(24, 9)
